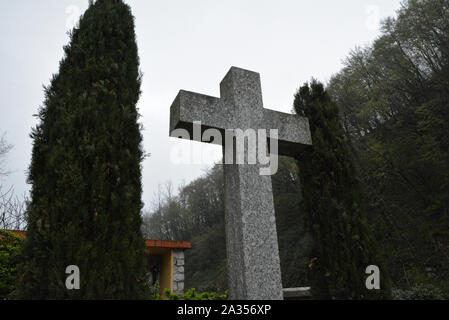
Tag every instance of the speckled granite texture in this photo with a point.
(252, 248)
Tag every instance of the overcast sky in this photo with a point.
(182, 45)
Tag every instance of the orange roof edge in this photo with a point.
(148, 242)
(167, 244)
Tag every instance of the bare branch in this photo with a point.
(12, 210)
(5, 147)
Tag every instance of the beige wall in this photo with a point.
(167, 271)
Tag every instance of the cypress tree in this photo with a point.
(86, 167)
(333, 202)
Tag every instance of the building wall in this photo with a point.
(178, 271)
(167, 271)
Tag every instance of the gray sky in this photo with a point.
(182, 45)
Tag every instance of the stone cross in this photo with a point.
(251, 239)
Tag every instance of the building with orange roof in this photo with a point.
(165, 262)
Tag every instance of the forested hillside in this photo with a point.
(393, 97)
(393, 100)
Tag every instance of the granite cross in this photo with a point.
(251, 239)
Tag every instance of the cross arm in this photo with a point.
(293, 131)
(189, 107)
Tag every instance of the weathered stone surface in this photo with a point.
(251, 238)
(178, 254)
(297, 293)
(178, 276)
(179, 262)
(179, 269)
(221, 113)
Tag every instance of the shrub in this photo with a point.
(418, 292)
(191, 294)
(10, 253)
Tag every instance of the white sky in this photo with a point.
(182, 45)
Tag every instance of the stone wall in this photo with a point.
(178, 271)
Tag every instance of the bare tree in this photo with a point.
(5, 147)
(12, 210)
(12, 207)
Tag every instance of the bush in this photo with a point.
(191, 294)
(10, 253)
(418, 292)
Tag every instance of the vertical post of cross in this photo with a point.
(252, 248)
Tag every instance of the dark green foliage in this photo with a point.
(393, 97)
(418, 292)
(293, 239)
(86, 167)
(10, 255)
(334, 204)
(191, 294)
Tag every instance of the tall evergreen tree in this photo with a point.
(86, 167)
(333, 201)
